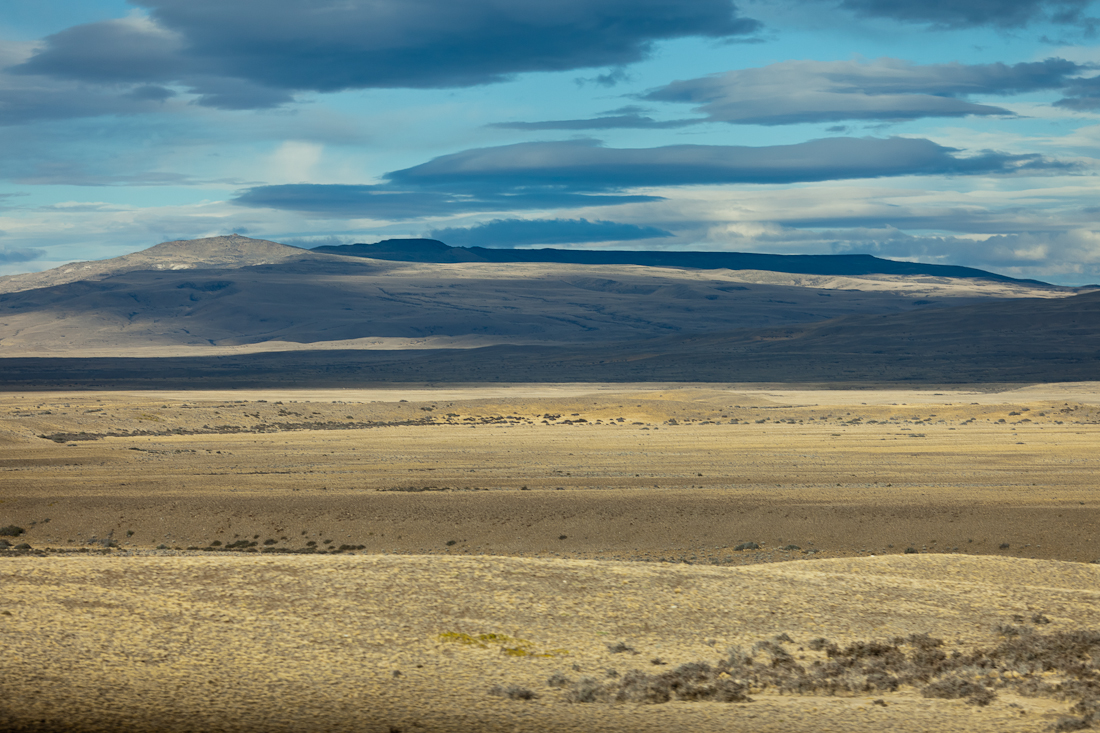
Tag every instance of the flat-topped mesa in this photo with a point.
(227, 252)
(843, 265)
(405, 250)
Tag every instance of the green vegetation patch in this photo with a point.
(508, 645)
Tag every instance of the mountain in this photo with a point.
(234, 294)
(227, 253)
(235, 311)
(431, 250)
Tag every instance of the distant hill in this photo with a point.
(201, 312)
(432, 250)
(225, 253)
(1017, 341)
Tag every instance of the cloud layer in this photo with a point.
(631, 117)
(251, 54)
(10, 256)
(577, 173)
(955, 14)
(586, 166)
(524, 232)
(884, 89)
(397, 203)
(186, 114)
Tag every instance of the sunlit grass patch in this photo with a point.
(508, 645)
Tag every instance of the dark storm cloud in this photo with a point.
(972, 13)
(581, 173)
(388, 202)
(256, 53)
(884, 89)
(520, 232)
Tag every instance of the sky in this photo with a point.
(963, 132)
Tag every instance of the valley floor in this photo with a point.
(305, 560)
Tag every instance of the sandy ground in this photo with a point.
(571, 517)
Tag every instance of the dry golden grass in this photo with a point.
(353, 643)
(558, 530)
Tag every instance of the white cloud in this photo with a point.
(294, 161)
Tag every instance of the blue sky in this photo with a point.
(942, 131)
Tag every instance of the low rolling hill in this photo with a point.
(236, 311)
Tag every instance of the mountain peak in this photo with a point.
(224, 252)
(232, 250)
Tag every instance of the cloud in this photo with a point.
(610, 79)
(67, 175)
(955, 14)
(576, 173)
(259, 53)
(229, 93)
(627, 117)
(520, 232)
(1071, 256)
(11, 256)
(1083, 94)
(125, 50)
(394, 203)
(28, 99)
(582, 166)
(1068, 255)
(793, 92)
(150, 93)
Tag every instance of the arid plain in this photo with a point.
(548, 557)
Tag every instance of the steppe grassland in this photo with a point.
(646, 473)
(147, 639)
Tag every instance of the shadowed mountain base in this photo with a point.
(1018, 341)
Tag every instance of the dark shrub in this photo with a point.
(586, 690)
(952, 688)
(513, 692)
(558, 680)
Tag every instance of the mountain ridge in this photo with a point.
(229, 252)
(433, 250)
(234, 310)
